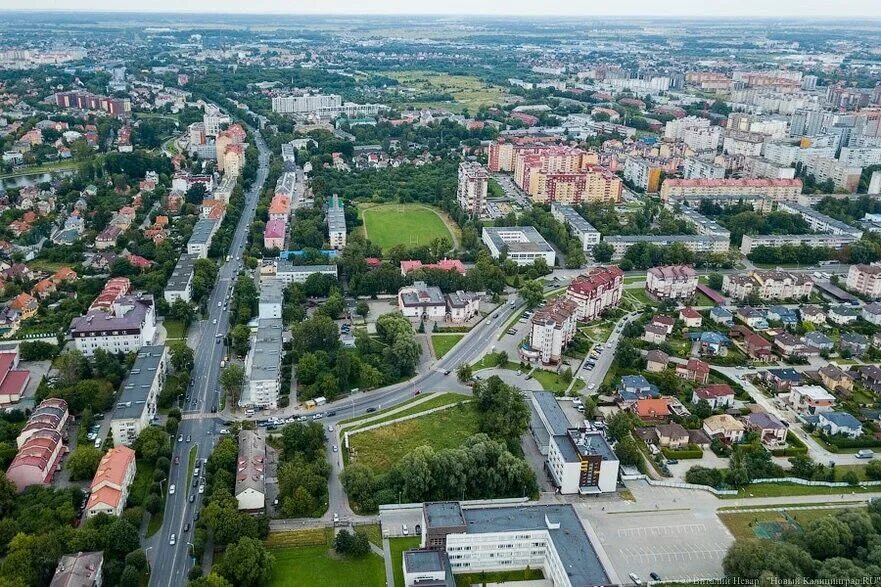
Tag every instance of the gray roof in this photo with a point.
(82, 569)
(420, 294)
(574, 219)
(534, 243)
(182, 273)
(579, 442)
(99, 321)
(271, 291)
(443, 514)
(136, 387)
(553, 413)
(842, 419)
(251, 461)
(285, 266)
(664, 238)
(424, 561)
(202, 231)
(567, 534)
(764, 421)
(336, 216)
(266, 354)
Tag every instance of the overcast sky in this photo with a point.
(792, 8)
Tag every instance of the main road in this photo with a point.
(170, 563)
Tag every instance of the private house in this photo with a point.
(110, 485)
(634, 387)
(833, 423)
(250, 489)
(672, 435)
(718, 395)
(694, 370)
(771, 430)
(462, 306)
(654, 333)
(789, 345)
(25, 304)
(755, 346)
(690, 317)
(781, 380)
(710, 343)
(835, 379)
(655, 410)
(811, 399)
(787, 316)
(843, 314)
(813, 314)
(818, 340)
(656, 361)
(870, 376)
(725, 427)
(722, 316)
(667, 322)
(872, 313)
(855, 344)
(752, 318)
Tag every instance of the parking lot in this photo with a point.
(393, 521)
(677, 544)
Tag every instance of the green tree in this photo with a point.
(83, 462)
(247, 562)
(212, 579)
(603, 252)
(750, 559)
(463, 372)
(182, 357)
(240, 337)
(232, 378)
(628, 453)
(152, 443)
(714, 280)
(71, 366)
(532, 293)
(502, 413)
(362, 309)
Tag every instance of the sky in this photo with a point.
(697, 8)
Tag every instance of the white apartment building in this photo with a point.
(212, 121)
(788, 155)
(675, 129)
(843, 176)
(859, 157)
(765, 168)
(642, 173)
(747, 144)
(180, 284)
(865, 280)
(580, 228)
(696, 169)
(828, 241)
(671, 282)
(702, 139)
(768, 285)
(523, 244)
(697, 243)
(553, 326)
(200, 239)
(110, 485)
(271, 298)
(336, 223)
(305, 104)
(288, 273)
(594, 292)
(473, 182)
(129, 325)
(818, 221)
(263, 366)
(582, 462)
(136, 406)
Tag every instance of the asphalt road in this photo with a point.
(171, 563)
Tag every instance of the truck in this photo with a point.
(320, 400)
(865, 454)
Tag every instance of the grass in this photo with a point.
(381, 448)
(174, 329)
(139, 491)
(374, 533)
(466, 579)
(45, 168)
(397, 546)
(439, 399)
(784, 489)
(191, 466)
(466, 91)
(343, 423)
(443, 343)
(702, 300)
(634, 279)
(640, 296)
(388, 225)
(487, 362)
(318, 565)
(551, 381)
(296, 538)
(740, 523)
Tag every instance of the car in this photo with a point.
(635, 578)
(98, 443)
(98, 416)
(224, 431)
(192, 497)
(214, 321)
(171, 489)
(446, 371)
(180, 437)
(865, 454)
(655, 576)
(219, 304)
(173, 540)
(187, 527)
(336, 518)
(177, 460)
(201, 489)
(189, 438)
(331, 413)
(329, 428)
(672, 461)
(196, 516)
(317, 416)
(496, 315)
(591, 386)
(335, 449)
(91, 436)
(404, 530)
(370, 410)
(213, 409)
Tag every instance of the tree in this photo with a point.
(603, 252)
(628, 453)
(873, 470)
(232, 378)
(71, 365)
(619, 425)
(463, 372)
(212, 579)
(83, 462)
(532, 293)
(182, 311)
(362, 309)
(153, 503)
(182, 357)
(502, 413)
(714, 280)
(343, 542)
(247, 562)
(750, 559)
(826, 537)
(240, 337)
(702, 409)
(152, 443)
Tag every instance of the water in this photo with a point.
(21, 181)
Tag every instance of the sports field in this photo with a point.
(410, 225)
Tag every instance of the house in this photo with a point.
(756, 347)
(462, 306)
(833, 423)
(422, 302)
(64, 274)
(872, 313)
(633, 387)
(720, 315)
(110, 485)
(725, 427)
(667, 322)
(789, 345)
(811, 399)
(107, 238)
(843, 314)
(834, 378)
(787, 316)
(818, 340)
(654, 333)
(652, 409)
(855, 344)
(771, 430)
(781, 380)
(694, 370)
(44, 288)
(442, 265)
(690, 317)
(25, 304)
(718, 395)
(700, 439)
(672, 435)
(870, 376)
(813, 314)
(250, 489)
(656, 361)
(83, 569)
(752, 318)
(711, 343)
(13, 380)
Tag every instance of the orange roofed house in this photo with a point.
(655, 410)
(111, 482)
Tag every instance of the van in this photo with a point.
(865, 454)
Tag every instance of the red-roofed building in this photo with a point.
(718, 395)
(12, 379)
(593, 293)
(690, 317)
(36, 460)
(755, 346)
(274, 234)
(110, 485)
(666, 322)
(64, 274)
(443, 265)
(26, 305)
(139, 262)
(653, 409)
(43, 289)
(113, 290)
(373, 262)
(694, 370)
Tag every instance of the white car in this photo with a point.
(171, 489)
(335, 448)
(201, 489)
(214, 321)
(173, 539)
(330, 428)
(591, 386)
(336, 518)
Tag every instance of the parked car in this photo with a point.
(173, 539)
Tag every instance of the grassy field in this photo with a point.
(174, 329)
(551, 381)
(383, 447)
(442, 343)
(438, 399)
(466, 579)
(466, 91)
(640, 296)
(139, 491)
(781, 489)
(410, 225)
(191, 466)
(397, 547)
(741, 523)
(317, 565)
(374, 533)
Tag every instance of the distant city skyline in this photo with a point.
(626, 8)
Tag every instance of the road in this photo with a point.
(171, 563)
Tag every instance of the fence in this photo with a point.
(679, 485)
(798, 481)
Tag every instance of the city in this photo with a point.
(417, 300)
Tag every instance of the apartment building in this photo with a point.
(675, 129)
(818, 221)
(767, 285)
(693, 168)
(746, 144)
(643, 173)
(336, 223)
(136, 406)
(552, 328)
(786, 190)
(671, 282)
(830, 241)
(582, 462)
(696, 243)
(564, 174)
(323, 106)
(129, 325)
(473, 183)
(250, 489)
(860, 157)
(263, 366)
(180, 284)
(521, 244)
(596, 291)
(754, 166)
(578, 226)
(111, 483)
(843, 176)
(200, 239)
(288, 273)
(271, 298)
(865, 280)
(703, 225)
(702, 139)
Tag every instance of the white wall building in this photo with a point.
(582, 461)
(580, 228)
(523, 244)
(136, 405)
(473, 183)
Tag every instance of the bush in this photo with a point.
(843, 442)
(704, 476)
(690, 452)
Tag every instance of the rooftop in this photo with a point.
(443, 514)
(552, 412)
(136, 387)
(182, 273)
(523, 239)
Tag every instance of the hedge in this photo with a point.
(842, 442)
(790, 451)
(683, 453)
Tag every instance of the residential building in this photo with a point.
(779, 190)
(718, 395)
(473, 183)
(442, 265)
(13, 380)
(813, 314)
(853, 343)
(83, 569)
(643, 173)
(422, 302)
(671, 282)
(274, 233)
(110, 485)
(781, 380)
(696, 243)
(578, 226)
(521, 244)
(37, 458)
(271, 298)
(844, 177)
(200, 239)
(694, 370)
(835, 379)
(690, 317)
(582, 462)
(634, 387)
(136, 406)
(818, 340)
(673, 436)
(288, 273)
(725, 427)
(336, 223)
(129, 325)
(833, 423)
(596, 291)
(843, 314)
(656, 361)
(721, 316)
(547, 419)
(865, 280)
(654, 334)
(553, 326)
(872, 313)
(767, 285)
(767, 169)
(462, 306)
(828, 241)
(693, 168)
(811, 399)
(263, 366)
(250, 489)
(652, 409)
(771, 430)
(819, 222)
(180, 284)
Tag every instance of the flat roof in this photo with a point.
(182, 273)
(573, 218)
(443, 514)
(553, 413)
(567, 534)
(136, 387)
(336, 215)
(266, 355)
(202, 231)
(517, 239)
(285, 266)
(271, 291)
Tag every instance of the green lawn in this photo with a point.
(442, 343)
(438, 399)
(357, 418)
(174, 329)
(740, 523)
(467, 579)
(486, 362)
(379, 449)
(317, 565)
(702, 300)
(374, 533)
(781, 489)
(139, 491)
(640, 296)
(551, 381)
(397, 546)
(410, 225)
(634, 279)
